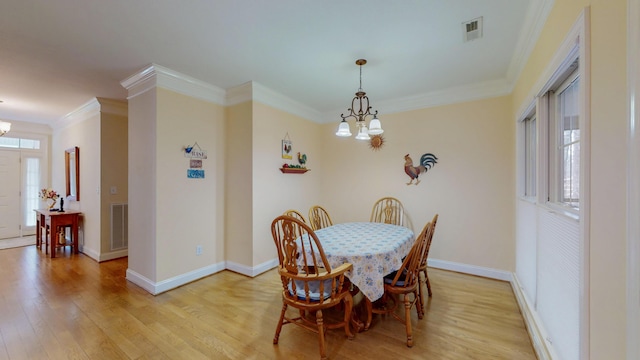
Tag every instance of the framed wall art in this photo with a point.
(286, 147)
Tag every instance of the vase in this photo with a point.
(52, 203)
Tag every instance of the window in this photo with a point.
(31, 189)
(564, 174)
(569, 147)
(530, 154)
(17, 143)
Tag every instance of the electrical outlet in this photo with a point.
(114, 190)
(198, 250)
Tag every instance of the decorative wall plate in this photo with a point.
(376, 142)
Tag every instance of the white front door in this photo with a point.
(9, 194)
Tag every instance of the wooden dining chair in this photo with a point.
(406, 282)
(423, 265)
(296, 214)
(319, 218)
(388, 210)
(309, 283)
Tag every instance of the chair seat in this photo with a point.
(314, 290)
(388, 279)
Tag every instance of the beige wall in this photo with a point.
(113, 165)
(142, 184)
(85, 135)
(101, 138)
(189, 211)
(239, 178)
(608, 158)
(471, 187)
(273, 191)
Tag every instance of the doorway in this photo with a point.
(22, 174)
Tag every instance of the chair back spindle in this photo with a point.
(388, 210)
(319, 218)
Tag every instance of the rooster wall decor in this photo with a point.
(302, 159)
(426, 162)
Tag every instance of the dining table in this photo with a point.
(374, 250)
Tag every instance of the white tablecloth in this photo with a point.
(374, 249)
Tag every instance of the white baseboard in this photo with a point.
(156, 288)
(537, 333)
(543, 350)
(114, 255)
(470, 269)
(174, 282)
(251, 271)
(99, 257)
(141, 281)
(90, 253)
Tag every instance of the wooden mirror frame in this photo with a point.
(72, 172)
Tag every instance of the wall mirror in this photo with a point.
(72, 170)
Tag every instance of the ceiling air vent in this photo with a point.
(472, 29)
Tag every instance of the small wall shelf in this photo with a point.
(294, 170)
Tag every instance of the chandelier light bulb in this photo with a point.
(363, 133)
(375, 128)
(343, 129)
(4, 127)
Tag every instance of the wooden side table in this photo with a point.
(57, 219)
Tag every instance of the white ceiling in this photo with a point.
(57, 55)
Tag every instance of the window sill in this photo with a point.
(529, 199)
(562, 211)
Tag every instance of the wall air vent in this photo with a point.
(119, 226)
(472, 30)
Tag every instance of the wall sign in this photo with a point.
(195, 174)
(196, 155)
(287, 146)
(195, 152)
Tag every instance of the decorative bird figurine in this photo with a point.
(426, 162)
(302, 159)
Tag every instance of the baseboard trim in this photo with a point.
(100, 257)
(537, 333)
(470, 269)
(174, 282)
(90, 253)
(251, 271)
(114, 255)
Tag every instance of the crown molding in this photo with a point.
(471, 92)
(239, 94)
(155, 75)
(254, 91)
(89, 109)
(537, 14)
(282, 102)
(140, 82)
(112, 106)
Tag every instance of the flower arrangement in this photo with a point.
(46, 194)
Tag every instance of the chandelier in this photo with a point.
(364, 110)
(4, 127)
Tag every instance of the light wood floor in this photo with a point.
(71, 307)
